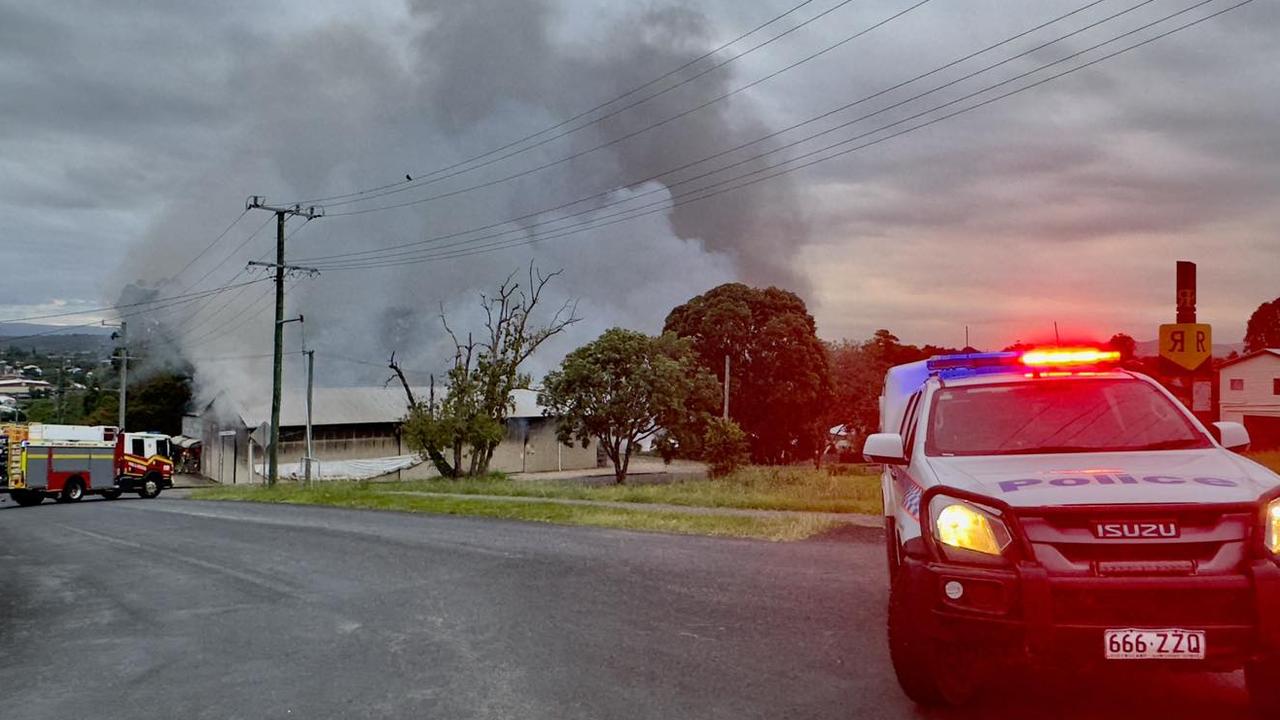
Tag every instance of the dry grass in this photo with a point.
(839, 489)
(365, 496)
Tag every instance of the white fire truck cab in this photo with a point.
(1051, 507)
(66, 462)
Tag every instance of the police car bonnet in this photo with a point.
(1212, 475)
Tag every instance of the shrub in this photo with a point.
(724, 447)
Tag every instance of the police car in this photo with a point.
(1049, 506)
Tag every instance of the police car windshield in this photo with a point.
(1057, 416)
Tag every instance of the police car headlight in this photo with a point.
(1271, 532)
(964, 526)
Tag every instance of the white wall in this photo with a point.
(1257, 397)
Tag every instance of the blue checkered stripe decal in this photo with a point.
(909, 493)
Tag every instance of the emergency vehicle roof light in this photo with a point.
(971, 360)
(1069, 357)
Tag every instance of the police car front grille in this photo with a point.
(1119, 607)
(1161, 552)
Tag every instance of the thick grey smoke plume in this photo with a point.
(346, 106)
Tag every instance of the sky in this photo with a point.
(134, 132)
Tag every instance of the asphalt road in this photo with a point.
(181, 609)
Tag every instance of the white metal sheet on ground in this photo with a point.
(361, 469)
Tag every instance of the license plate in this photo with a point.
(1147, 644)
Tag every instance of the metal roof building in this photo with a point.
(361, 423)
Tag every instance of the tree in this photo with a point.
(158, 403)
(623, 387)
(780, 383)
(472, 414)
(1263, 330)
(1125, 345)
(858, 371)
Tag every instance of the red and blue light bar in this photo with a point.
(1037, 360)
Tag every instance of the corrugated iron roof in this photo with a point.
(1250, 356)
(361, 405)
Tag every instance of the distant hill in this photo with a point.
(1151, 348)
(56, 339)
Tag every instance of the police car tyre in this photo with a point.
(1262, 679)
(72, 491)
(918, 660)
(28, 499)
(892, 551)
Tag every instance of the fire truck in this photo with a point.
(66, 462)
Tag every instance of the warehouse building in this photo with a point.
(356, 433)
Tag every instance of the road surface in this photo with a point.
(173, 608)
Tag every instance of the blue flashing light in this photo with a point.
(972, 363)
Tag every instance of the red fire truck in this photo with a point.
(67, 461)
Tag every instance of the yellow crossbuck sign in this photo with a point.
(1187, 344)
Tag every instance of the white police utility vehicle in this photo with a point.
(1049, 506)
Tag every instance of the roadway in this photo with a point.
(174, 608)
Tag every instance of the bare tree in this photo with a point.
(485, 372)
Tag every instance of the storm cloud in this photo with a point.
(140, 130)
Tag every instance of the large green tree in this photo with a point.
(623, 387)
(1263, 330)
(780, 383)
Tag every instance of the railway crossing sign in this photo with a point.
(1188, 345)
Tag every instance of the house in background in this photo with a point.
(356, 432)
(23, 387)
(1249, 393)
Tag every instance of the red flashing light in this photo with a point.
(1064, 357)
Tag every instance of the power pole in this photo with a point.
(123, 337)
(726, 387)
(311, 371)
(257, 202)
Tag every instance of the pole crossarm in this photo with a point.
(259, 202)
(291, 270)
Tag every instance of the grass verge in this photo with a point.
(844, 489)
(362, 496)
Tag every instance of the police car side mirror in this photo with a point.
(1232, 435)
(884, 448)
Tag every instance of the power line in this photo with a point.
(107, 308)
(726, 186)
(230, 255)
(209, 247)
(385, 252)
(63, 328)
(647, 128)
(602, 105)
(243, 271)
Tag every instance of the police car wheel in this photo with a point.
(928, 670)
(1262, 678)
(891, 547)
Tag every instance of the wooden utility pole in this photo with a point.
(726, 387)
(311, 371)
(257, 202)
(124, 371)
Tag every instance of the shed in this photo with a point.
(1249, 392)
(361, 427)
